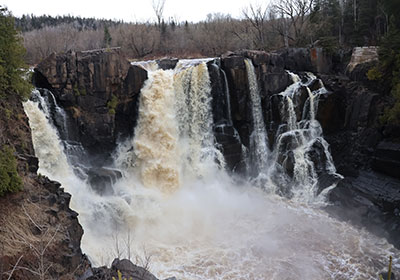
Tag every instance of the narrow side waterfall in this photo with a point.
(46, 141)
(178, 207)
(259, 150)
(228, 99)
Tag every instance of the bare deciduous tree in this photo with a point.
(139, 39)
(257, 16)
(158, 8)
(297, 12)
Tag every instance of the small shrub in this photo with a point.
(391, 115)
(120, 276)
(10, 181)
(374, 74)
(7, 112)
(112, 105)
(76, 90)
(82, 91)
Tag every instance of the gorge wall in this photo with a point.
(99, 90)
(37, 215)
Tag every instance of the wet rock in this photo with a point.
(33, 163)
(320, 60)
(127, 269)
(102, 179)
(331, 112)
(326, 180)
(299, 101)
(167, 63)
(231, 147)
(316, 153)
(387, 158)
(272, 79)
(219, 93)
(235, 70)
(369, 200)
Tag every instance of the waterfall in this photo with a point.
(297, 142)
(292, 122)
(193, 105)
(228, 98)
(177, 204)
(175, 111)
(156, 135)
(46, 141)
(258, 139)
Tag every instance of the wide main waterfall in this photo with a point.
(176, 207)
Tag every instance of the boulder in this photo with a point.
(102, 179)
(231, 147)
(362, 59)
(124, 266)
(167, 63)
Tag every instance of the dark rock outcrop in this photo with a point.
(362, 59)
(272, 79)
(167, 63)
(99, 91)
(314, 60)
(127, 269)
(102, 179)
(386, 159)
(370, 200)
(349, 116)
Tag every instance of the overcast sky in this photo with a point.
(128, 10)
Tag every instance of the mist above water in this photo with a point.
(178, 210)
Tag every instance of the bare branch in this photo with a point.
(158, 8)
(15, 266)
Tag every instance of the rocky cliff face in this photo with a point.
(364, 151)
(99, 91)
(39, 234)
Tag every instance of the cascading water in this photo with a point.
(46, 140)
(193, 105)
(289, 170)
(259, 150)
(156, 135)
(177, 206)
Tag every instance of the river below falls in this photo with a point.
(214, 229)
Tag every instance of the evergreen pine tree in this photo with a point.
(107, 37)
(12, 66)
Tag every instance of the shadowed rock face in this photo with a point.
(99, 90)
(272, 79)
